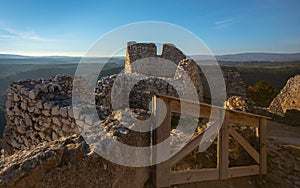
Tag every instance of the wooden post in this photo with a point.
(162, 170)
(263, 146)
(223, 138)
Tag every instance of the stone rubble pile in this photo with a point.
(288, 98)
(240, 103)
(285, 107)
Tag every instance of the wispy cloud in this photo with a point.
(7, 36)
(226, 22)
(11, 33)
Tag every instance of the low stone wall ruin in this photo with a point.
(40, 110)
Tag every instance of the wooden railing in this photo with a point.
(165, 177)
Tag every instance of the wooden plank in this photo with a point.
(243, 171)
(193, 109)
(243, 119)
(152, 135)
(223, 160)
(263, 146)
(190, 176)
(161, 133)
(235, 117)
(252, 152)
(208, 105)
(162, 173)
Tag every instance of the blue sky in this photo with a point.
(70, 27)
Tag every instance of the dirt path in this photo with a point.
(283, 133)
(283, 155)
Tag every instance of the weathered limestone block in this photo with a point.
(64, 112)
(65, 128)
(54, 136)
(288, 98)
(46, 112)
(48, 105)
(56, 121)
(36, 110)
(70, 112)
(65, 121)
(36, 126)
(285, 107)
(55, 110)
(21, 129)
(23, 105)
(17, 111)
(16, 97)
(28, 120)
(39, 104)
(33, 94)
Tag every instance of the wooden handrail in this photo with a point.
(165, 177)
(204, 105)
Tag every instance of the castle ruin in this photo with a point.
(40, 110)
(41, 121)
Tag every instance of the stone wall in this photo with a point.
(136, 51)
(172, 63)
(137, 97)
(38, 111)
(170, 52)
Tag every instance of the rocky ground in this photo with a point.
(71, 162)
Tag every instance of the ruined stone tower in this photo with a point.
(147, 52)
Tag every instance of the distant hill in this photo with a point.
(240, 57)
(12, 56)
(273, 57)
(19, 59)
(266, 57)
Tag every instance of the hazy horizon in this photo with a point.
(123, 56)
